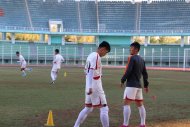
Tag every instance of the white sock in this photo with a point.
(27, 69)
(126, 114)
(52, 76)
(23, 72)
(82, 116)
(142, 113)
(55, 75)
(104, 116)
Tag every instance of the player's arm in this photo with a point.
(55, 60)
(89, 83)
(145, 78)
(89, 73)
(21, 60)
(63, 60)
(128, 71)
(92, 66)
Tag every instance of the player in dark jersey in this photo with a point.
(135, 69)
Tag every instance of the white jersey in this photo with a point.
(93, 69)
(58, 59)
(22, 60)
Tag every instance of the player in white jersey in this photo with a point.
(58, 59)
(22, 62)
(94, 95)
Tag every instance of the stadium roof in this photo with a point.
(119, 0)
(133, 1)
(128, 0)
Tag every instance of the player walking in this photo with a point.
(58, 59)
(94, 95)
(22, 62)
(133, 91)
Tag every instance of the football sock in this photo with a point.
(53, 76)
(82, 116)
(126, 114)
(28, 69)
(23, 73)
(104, 116)
(142, 113)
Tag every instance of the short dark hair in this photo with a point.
(136, 45)
(106, 45)
(17, 52)
(56, 50)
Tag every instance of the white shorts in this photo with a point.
(132, 93)
(98, 97)
(23, 65)
(55, 68)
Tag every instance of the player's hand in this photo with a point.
(90, 91)
(146, 90)
(121, 85)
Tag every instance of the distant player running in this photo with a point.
(95, 96)
(22, 62)
(133, 91)
(58, 59)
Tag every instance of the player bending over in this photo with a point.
(58, 59)
(133, 91)
(23, 64)
(94, 95)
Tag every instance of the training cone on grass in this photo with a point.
(50, 122)
(65, 74)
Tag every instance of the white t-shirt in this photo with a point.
(93, 69)
(58, 59)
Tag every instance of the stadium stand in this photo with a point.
(42, 12)
(165, 15)
(15, 13)
(117, 15)
(108, 15)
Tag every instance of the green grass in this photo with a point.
(25, 101)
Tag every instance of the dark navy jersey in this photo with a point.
(135, 69)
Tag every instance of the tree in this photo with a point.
(154, 40)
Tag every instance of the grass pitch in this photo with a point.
(25, 101)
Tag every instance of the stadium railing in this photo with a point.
(41, 54)
(31, 29)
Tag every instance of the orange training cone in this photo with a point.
(50, 120)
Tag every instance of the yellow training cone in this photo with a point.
(50, 120)
(65, 74)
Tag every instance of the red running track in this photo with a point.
(148, 68)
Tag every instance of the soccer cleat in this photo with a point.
(30, 69)
(52, 83)
(124, 126)
(142, 126)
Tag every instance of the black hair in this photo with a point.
(17, 52)
(56, 50)
(106, 45)
(136, 45)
